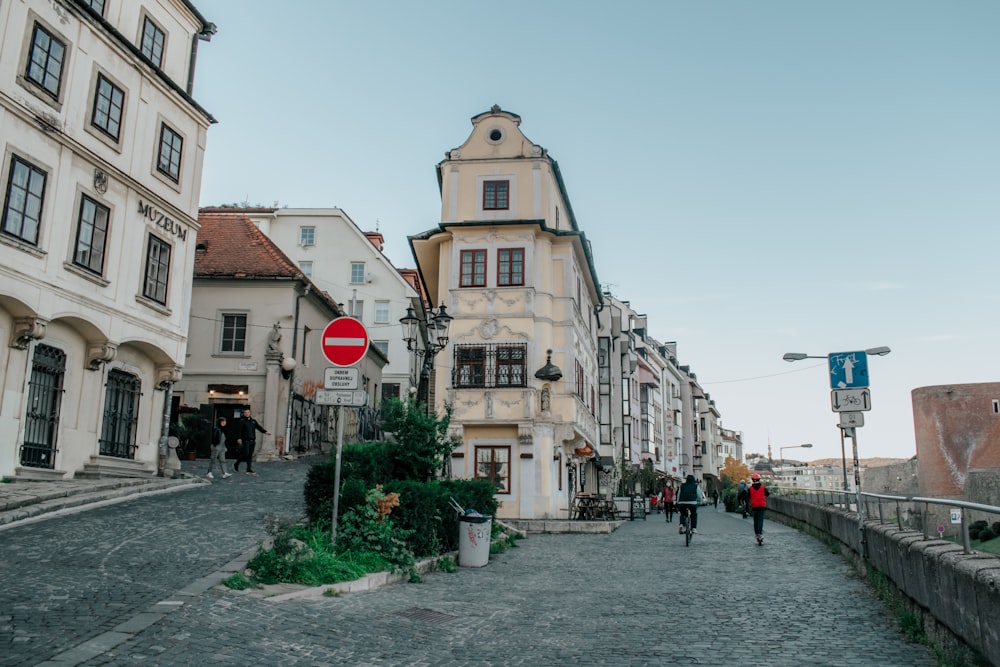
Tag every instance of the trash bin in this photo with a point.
(474, 539)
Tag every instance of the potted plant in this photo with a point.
(191, 430)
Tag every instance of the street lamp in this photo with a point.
(436, 322)
(781, 451)
(799, 356)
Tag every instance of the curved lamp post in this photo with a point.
(436, 322)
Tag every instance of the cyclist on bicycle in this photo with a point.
(689, 497)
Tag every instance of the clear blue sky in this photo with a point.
(757, 177)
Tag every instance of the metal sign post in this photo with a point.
(852, 433)
(336, 475)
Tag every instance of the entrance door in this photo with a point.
(41, 423)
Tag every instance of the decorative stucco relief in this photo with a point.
(525, 435)
(488, 396)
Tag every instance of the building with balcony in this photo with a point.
(100, 172)
(516, 272)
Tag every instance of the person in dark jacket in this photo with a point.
(758, 505)
(247, 440)
(689, 497)
(743, 498)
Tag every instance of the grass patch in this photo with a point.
(991, 546)
(446, 564)
(237, 582)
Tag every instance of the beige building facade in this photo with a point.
(516, 272)
(101, 156)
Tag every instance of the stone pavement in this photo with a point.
(134, 583)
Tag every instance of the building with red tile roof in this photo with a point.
(255, 327)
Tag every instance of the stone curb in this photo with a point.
(367, 583)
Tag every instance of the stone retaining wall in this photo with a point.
(958, 591)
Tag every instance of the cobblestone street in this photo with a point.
(134, 583)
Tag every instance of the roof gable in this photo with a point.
(229, 244)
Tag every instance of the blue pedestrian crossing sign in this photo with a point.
(848, 370)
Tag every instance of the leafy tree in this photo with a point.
(422, 441)
(733, 471)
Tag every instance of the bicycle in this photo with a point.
(685, 521)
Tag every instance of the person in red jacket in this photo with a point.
(758, 505)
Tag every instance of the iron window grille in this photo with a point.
(22, 213)
(157, 270)
(121, 413)
(45, 62)
(510, 267)
(91, 234)
(495, 195)
(168, 161)
(152, 42)
(490, 365)
(234, 333)
(109, 101)
(45, 391)
(473, 268)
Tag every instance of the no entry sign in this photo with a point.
(345, 341)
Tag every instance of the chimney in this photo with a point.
(376, 239)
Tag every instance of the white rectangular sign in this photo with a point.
(852, 419)
(956, 516)
(851, 400)
(348, 398)
(340, 378)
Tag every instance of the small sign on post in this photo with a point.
(956, 516)
(341, 378)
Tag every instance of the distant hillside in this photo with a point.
(874, 462)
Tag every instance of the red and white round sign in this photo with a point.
(345, 341)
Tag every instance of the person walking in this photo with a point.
(247, 440)
(715, 498)
(218, 456)
(689, 497)
(667, 500)
(758, 505)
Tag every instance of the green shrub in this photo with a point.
(421, 508)
(729, 500)
(364, 465)
(985, 535)
(364, 529)
(995, 527)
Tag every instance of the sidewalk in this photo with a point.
(26, 500)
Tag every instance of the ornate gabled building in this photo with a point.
(101, 154)
(511, 264)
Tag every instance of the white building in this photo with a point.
(347, 263)
(102, 148)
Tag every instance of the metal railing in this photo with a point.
(940, 517)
